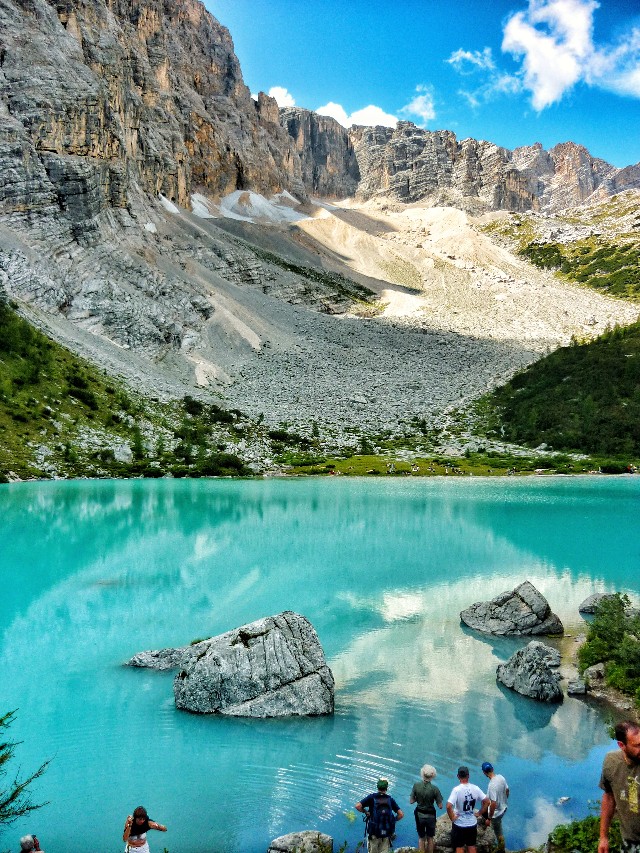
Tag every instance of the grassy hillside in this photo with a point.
(597, 245)
(585, 397)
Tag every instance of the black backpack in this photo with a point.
(381, 820)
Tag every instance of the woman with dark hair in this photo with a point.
(135, 830)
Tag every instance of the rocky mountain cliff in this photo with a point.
(409, 164)
(103, 101)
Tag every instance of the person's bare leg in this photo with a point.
(431, 844)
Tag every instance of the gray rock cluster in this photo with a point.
(522, 612)
(273, 667)
(307, 841)
(310, 841)
(529, 672)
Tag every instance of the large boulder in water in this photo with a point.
(523, 612)
(528, 672)
(273, 667)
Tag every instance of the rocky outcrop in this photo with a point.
(329, 165)
(486, 836)
(523, 612)
(164, 659)
(273, 667)
(594, 675)
(307, 841)
(528, 672)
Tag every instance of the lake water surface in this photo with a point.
(92, 572)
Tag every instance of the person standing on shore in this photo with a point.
(460, 808)
(425, 794)
(136, 827)
(620, 781)
(498, 793)
(382, 813)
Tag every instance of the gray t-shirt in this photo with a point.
(623, 781)
(497, 793)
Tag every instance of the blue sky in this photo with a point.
(510, 72)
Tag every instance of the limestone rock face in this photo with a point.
(273, 667)
(101, 100)
(411, 164)
(307, 841)
(528, 672)
(329, 165)
(523, 612)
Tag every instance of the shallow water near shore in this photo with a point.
(92, 572)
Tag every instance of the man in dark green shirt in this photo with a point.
(425, 794)
(620, 782)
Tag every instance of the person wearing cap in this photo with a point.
(380, 808)
(461, 805)
(498, 793)
(427, 796)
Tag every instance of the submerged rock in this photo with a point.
(528, 672)
(523, 612)
(164, 659)
(307, 841)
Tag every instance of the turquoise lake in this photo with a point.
(92, 572)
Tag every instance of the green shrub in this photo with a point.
(613, 639)
(583, 835)
(582, 398)
(192, 406)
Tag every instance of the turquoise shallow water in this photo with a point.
(92, 572)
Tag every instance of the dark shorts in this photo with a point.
(425, 824)
(462, 836)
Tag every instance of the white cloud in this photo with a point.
(554, 39)
(282, 96)
(466, 61)
(554, 42)
(422, 105)
(368, 116)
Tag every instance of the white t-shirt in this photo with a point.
(497, 793)
(465, 798)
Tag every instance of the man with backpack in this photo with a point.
(381, 813)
